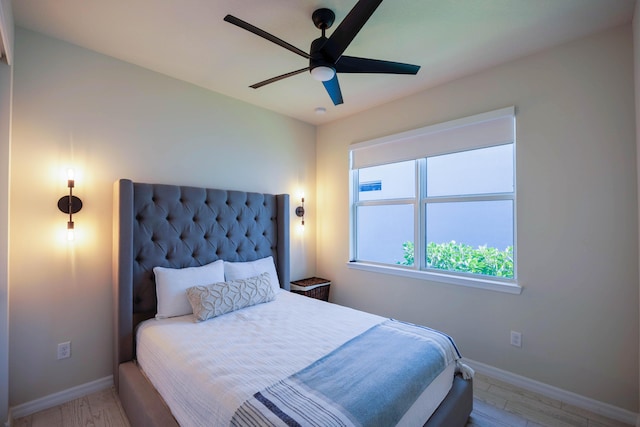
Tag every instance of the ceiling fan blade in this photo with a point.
(344, 34)
(257, 31)
(352, 64)
(275, 79)
(333, 89)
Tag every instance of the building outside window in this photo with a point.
(439, 202)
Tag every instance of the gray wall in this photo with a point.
(577, 220)
(109, 120)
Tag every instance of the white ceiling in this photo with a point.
(188, 40)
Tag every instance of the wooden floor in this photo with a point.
(496, 404)
(499, 404)
(100, 409)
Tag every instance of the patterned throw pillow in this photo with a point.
(219, 298)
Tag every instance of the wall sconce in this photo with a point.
(70, 204)
(300, 210)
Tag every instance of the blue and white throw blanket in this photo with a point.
(372, 379)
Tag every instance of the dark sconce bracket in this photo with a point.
(70, 205)
(300, 211)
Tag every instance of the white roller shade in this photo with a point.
(482, 130)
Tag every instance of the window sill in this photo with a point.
(471, 282)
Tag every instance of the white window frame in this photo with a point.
(493, 128)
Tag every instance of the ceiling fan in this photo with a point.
(326, 54)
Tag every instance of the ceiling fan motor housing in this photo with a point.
(316, 55)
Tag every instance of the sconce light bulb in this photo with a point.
(70, 231)
(70, 173)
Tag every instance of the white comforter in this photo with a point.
(206, 370)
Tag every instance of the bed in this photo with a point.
(177, 229)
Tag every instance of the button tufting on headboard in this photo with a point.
(177, 227)
(201, 225)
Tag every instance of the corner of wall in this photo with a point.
(636, 66)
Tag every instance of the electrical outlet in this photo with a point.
(516, 339)
(64, 350)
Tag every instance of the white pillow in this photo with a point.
(244, 270)
(172, 285)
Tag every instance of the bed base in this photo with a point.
(141, 402)
(456, 406)
(144, 406)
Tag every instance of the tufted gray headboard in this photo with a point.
(176, 226)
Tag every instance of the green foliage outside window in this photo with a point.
(407, 254)
(454, 256)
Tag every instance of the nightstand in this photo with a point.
(313, 287)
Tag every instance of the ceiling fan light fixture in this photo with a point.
(323, 73)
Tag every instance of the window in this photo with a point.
(439, 202)
(379, 239)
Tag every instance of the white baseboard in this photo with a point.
(60, 397)
(556, 393)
